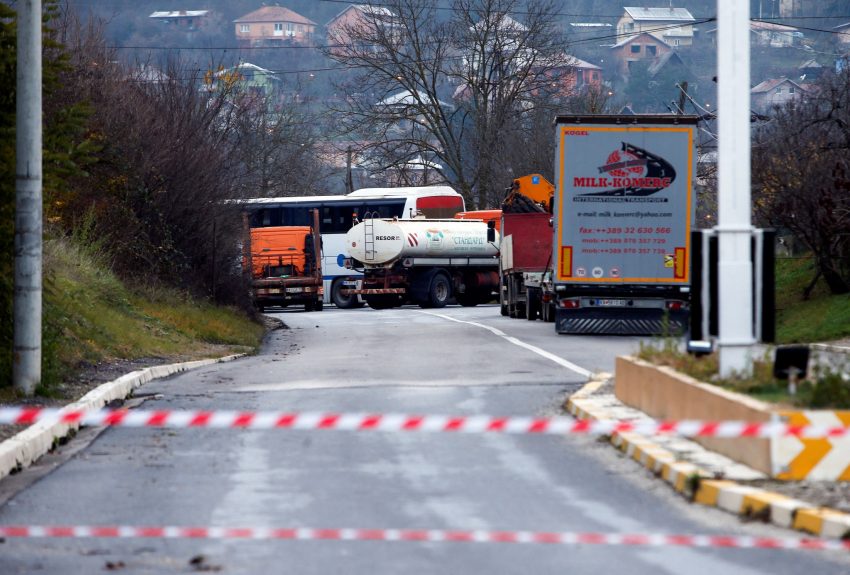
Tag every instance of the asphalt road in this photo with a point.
(449, 361)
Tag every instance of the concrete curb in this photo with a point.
(698, 485)
(23, 449)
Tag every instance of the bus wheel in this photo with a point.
(340, 300)
(440, 290)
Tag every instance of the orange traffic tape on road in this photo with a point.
(420, 535)
(406, 422)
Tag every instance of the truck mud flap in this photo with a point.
(616, 322)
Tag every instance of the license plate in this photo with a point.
(611, 302)
(294, 290)
(274, 290)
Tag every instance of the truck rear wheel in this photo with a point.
(319, 305)
(440, 290)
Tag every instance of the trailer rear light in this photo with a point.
(675, 305)
(571, 303)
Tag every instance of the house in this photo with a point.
(644, 47)
(274, 26)
(356, 17)
(573, 76)
(248, 81)
(809, 71)
(184, 19)
(767, 34)
(667, 62)
(775, 92)
(774, 35)
(674, 26)
(842, 33)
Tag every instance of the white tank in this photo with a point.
(382, 241)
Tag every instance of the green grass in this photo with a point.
(91, 316)
(823, 317)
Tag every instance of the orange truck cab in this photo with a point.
(488, 216)
(285, 266)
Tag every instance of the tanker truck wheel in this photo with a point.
(343, 301)
(440, 290)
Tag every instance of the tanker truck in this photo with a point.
(426, 262)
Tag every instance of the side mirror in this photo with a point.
(491, 232)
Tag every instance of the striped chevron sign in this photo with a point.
(822, 458)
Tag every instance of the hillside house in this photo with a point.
(775, 92)
(842, 33)
(359, 17)
(274, 26)
(674, 26)
(184, 19)
(248, 82)
(767, 34)
(644, 47)
(573, 76)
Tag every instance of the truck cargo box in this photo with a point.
(530, 247)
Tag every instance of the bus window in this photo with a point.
(437, 207)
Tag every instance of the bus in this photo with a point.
(338, 214)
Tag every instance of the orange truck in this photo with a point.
(285, 265)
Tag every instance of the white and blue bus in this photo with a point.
(339, 213)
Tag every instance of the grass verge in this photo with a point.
(91, 317)
(823, 317)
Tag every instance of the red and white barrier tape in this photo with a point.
(405, 422)
(419, 535)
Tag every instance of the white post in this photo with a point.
(734, 204)
(26, 368)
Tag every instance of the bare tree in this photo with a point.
(801, 166)
(460, 87)
(276, 147)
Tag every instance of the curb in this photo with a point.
(21, 450)
(698, 485)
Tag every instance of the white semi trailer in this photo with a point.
(427, 262)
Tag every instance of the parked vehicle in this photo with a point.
(623, 212)
(525, 263)
(285, 265)
(426, 262)
(339, 213)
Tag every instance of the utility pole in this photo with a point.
(734, 229)
(26, 368)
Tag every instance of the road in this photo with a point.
(448, 361)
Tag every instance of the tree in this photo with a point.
(801, 169)
(460, 87)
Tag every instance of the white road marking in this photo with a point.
(541, 352)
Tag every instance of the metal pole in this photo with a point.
(734, 206)
(26, 369)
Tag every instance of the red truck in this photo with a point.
(525, 261)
